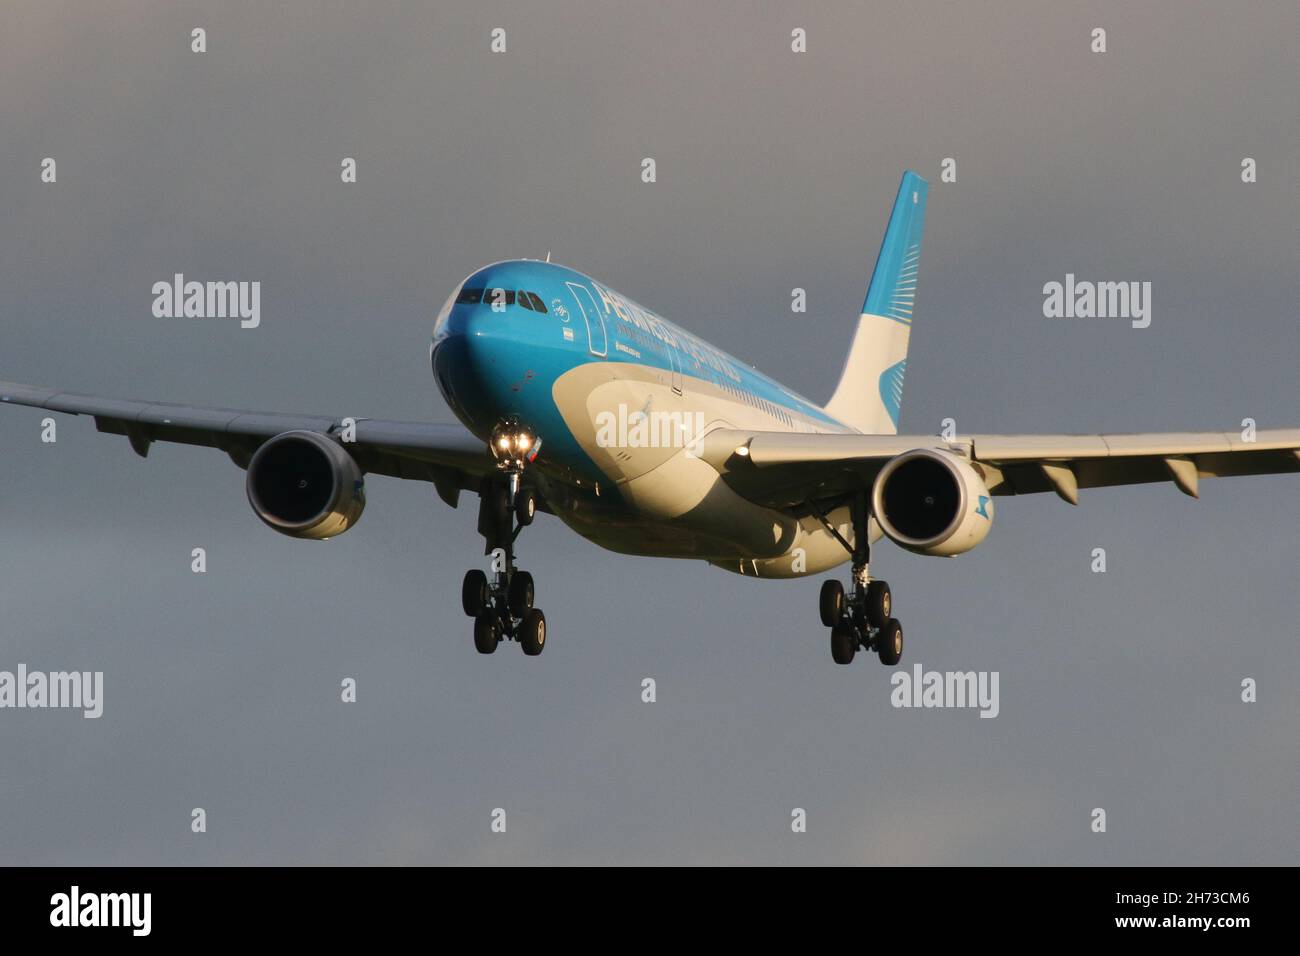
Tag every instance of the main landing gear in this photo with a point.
(502, 606)
(860, 618)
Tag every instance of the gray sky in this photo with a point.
(1118, 690)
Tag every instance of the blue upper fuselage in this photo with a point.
(513, 328)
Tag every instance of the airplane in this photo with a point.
(645, 439)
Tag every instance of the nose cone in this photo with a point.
(469, 348)
(486, 355)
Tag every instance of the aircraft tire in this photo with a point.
(880, 603)
(532, 632)
(831, 602)
(889, 643)
(844, 643)
(487, 632)
(525, 507)
(520, 594)
(474, 592)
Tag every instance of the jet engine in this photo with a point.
(932, 502)
(304, 484)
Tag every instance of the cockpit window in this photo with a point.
(506, 297)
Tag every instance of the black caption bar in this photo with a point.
(206, 905)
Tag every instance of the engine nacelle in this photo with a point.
(303, 484)
(932, 502)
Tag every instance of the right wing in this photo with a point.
(446, 455)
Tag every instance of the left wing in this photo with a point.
(446, 455)
(787, 470)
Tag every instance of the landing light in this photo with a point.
(512, 443)
(743, 451)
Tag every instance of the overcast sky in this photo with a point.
(776, 170)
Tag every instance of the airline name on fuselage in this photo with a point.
(660, 328)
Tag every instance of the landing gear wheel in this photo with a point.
(880, 603)
(525, 507)
(474, 592)
(844, 643)
(520, 594)
(889, 642)
(831, 604)
(532, 632)
(487, 632)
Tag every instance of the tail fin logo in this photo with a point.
(891, 389)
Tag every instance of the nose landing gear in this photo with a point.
(860, 618)
(502, 606)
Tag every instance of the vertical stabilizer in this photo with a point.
(870, 391)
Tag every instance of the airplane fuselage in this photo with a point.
(619, 394)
